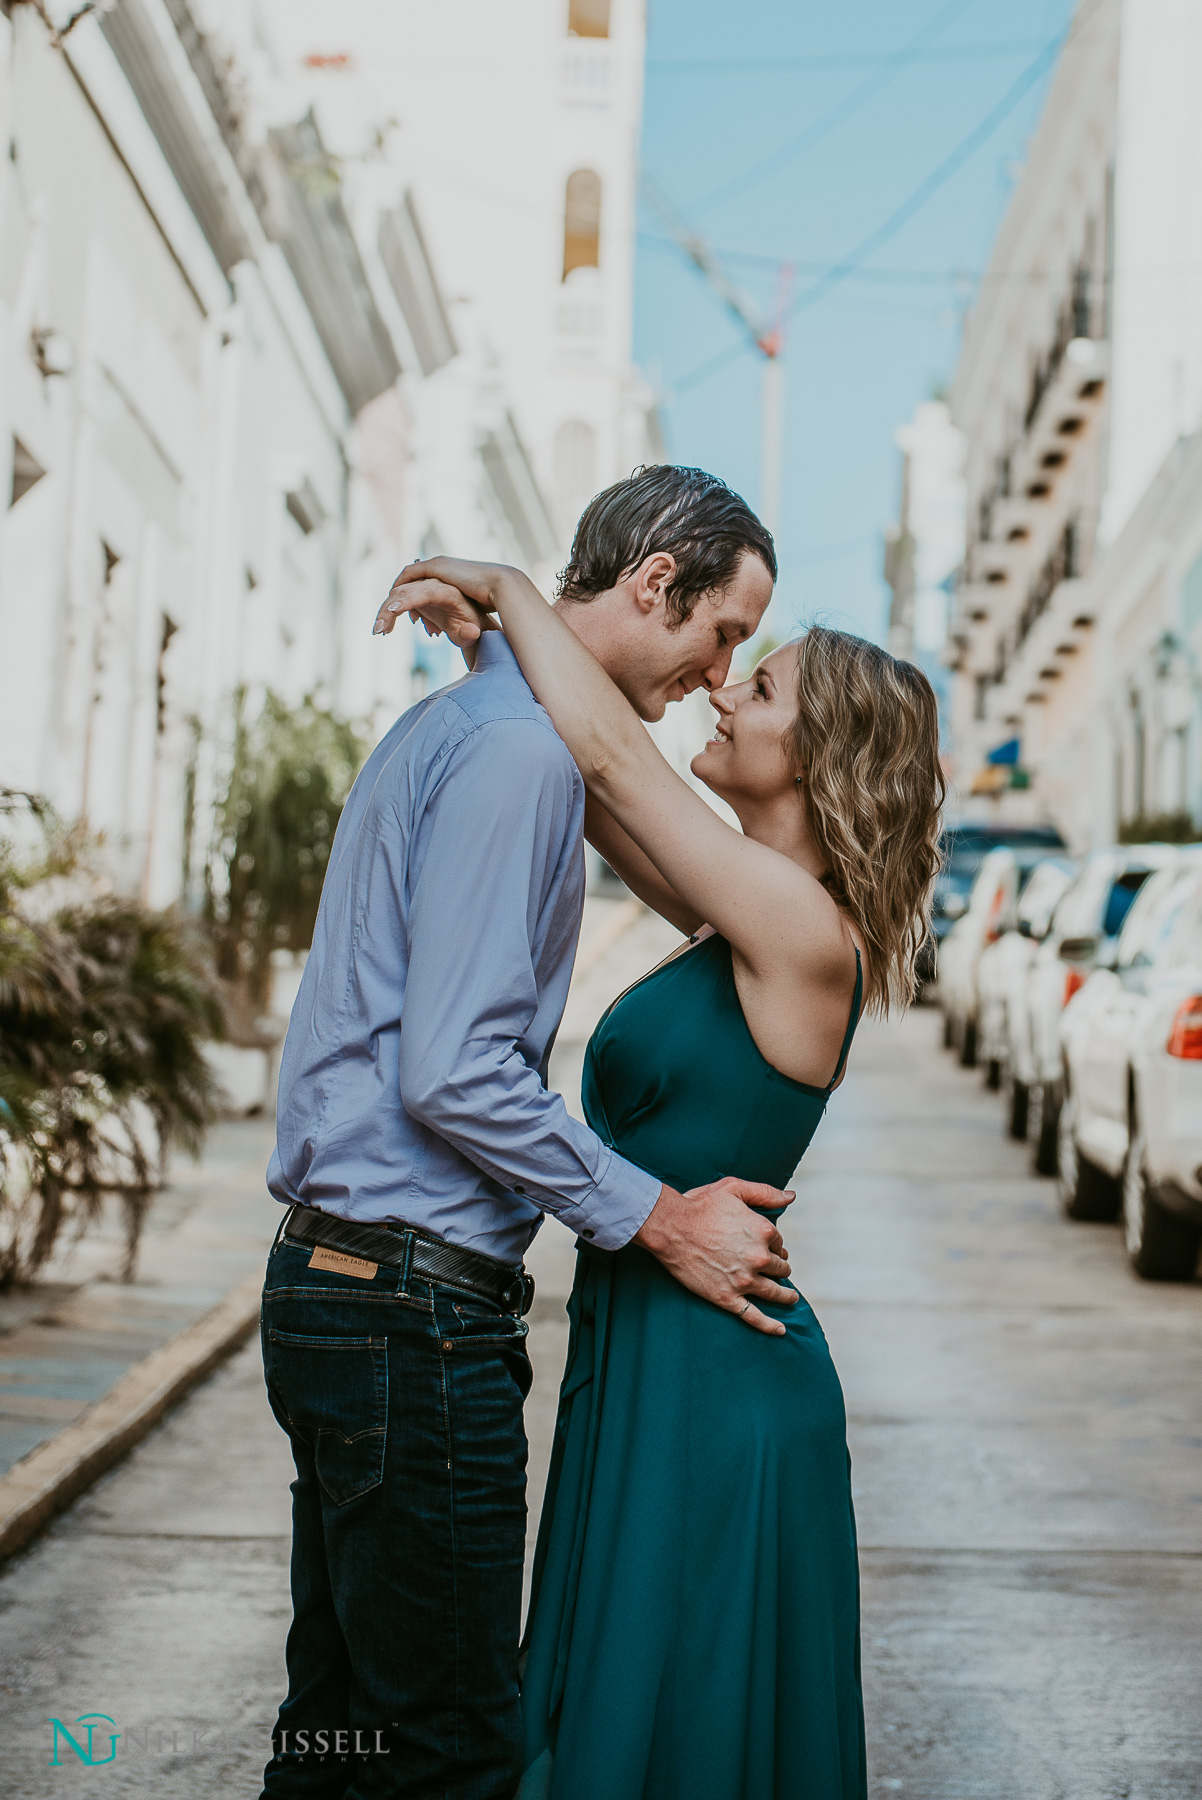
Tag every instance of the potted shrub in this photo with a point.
(105, 1008)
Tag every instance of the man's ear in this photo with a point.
(652, 579)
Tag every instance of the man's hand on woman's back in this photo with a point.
(714, 1244)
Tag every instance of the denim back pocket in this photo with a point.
(333, 1392)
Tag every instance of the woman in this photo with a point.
(694, 1625)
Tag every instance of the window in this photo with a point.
(582, 222)
(588, 18)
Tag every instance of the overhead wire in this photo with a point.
(845, 59)
(843, 109)
(942, 173)
(946, 169)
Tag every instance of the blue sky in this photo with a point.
(787, 129)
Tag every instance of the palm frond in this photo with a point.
(104, 1010)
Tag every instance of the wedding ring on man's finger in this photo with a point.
(745, 1305)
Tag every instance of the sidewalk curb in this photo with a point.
(54, 1474)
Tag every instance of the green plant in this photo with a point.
(1160, 828)
(290, 774)
(104, 1009)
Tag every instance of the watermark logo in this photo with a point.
(88, 1726)
(89, 1742)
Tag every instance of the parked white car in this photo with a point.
(962, 848)
(1002, 981)
(1083, 937)
(992, 910)
(1131, 1118)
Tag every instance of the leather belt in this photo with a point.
(510, 1289)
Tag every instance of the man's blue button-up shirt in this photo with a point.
(413, 1080)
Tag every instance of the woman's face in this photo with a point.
(747, 755)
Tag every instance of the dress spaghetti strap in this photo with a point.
(854, 1020)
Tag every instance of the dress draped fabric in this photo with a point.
(694, 1623)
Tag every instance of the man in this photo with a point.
(418, 1148)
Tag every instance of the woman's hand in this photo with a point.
(448, 594)
(439, 606)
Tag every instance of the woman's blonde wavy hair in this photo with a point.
(866, 742)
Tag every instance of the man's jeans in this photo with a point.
(403, 1403)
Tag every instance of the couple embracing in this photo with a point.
(693, 1632)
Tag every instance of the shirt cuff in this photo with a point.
(617, 1207)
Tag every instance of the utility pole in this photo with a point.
(767, 336)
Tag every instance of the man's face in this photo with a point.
(656, 663)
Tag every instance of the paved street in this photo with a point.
(66, 1340)
(1026, 1423)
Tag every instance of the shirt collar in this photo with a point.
(494, 651)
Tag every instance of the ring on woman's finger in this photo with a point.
(745, 1305)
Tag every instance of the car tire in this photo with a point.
(1086, 1192)
(1017, 1096)
(968, 1044)
(1043, 1119)
(1161, 1247)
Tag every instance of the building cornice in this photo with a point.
(316, 237)
(106, 86)
(144, 36)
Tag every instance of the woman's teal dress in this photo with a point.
(694, 1624)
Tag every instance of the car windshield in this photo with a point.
(965, 846)
(1120, 900)
(1154, 916)
(1078, 914)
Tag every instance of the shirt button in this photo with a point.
(518, 1188)
(587, 1233)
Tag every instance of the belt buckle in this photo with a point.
(519, 1295)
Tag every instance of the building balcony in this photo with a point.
(1012, 522)
(999, 559)
(1038, 663)
(1067, 411)
(976, 603)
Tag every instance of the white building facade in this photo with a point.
(513, 134)
(1081, 373)
(259, 345)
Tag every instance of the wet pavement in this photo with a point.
(64, 1342)
(1025, 1420)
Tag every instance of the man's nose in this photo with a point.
(719, 669)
